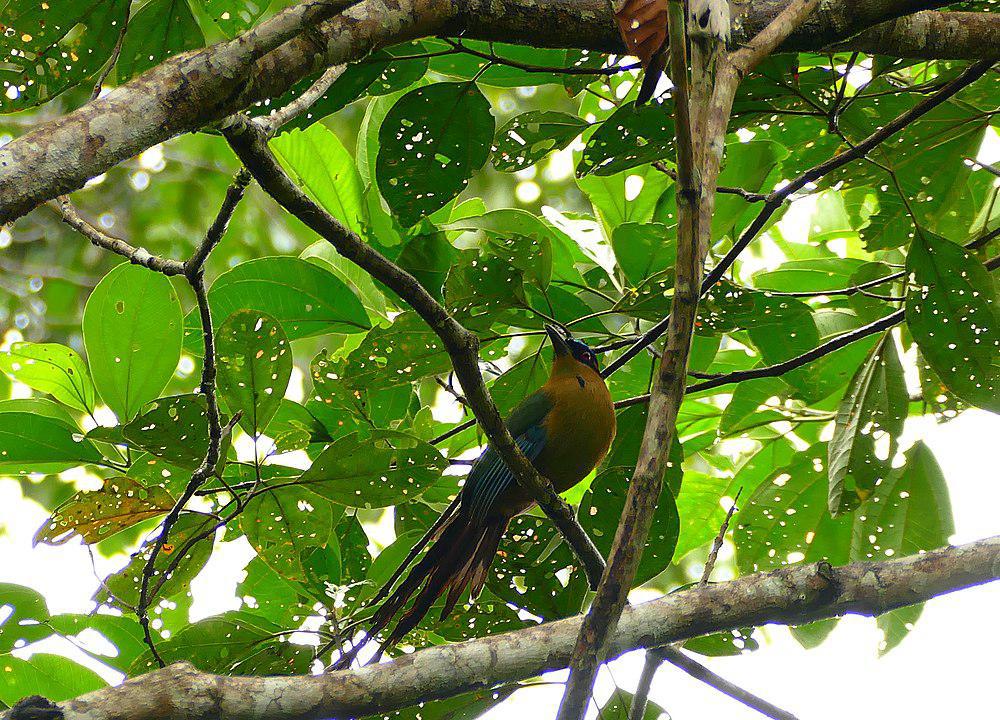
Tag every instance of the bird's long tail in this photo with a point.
(459, 558)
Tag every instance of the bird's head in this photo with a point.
(565, 345)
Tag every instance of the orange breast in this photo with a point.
(579, 428)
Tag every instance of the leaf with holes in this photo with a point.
(120, 504)
(535, 570)
(908, 513)
(123, 586)
(282, 523)
(37, 435)
(173, 428)
(254, 364)
(160, 29)
(59, 678)
(234, 17)
(785, 520)
(233, 643)
(601, 511)
(25, 615)
(377, 471)
(630, 137)
(872, 410)
(54, 369)
(132, 331)
(306, 298)
(953, 314)
(430, 143)
(529, 137)
(52, 46)
(619, 706)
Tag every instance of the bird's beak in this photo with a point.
(558, 338)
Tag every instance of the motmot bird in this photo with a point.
(565, 429)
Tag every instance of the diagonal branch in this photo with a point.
(248, 141)
(790, 595)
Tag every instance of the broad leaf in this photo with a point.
(52, 46)
(39, 436)
(54, 369)
(369, 472)
(529, 137)
(160, 29)
(304, 297)
(431, 142)
(282, 523)
(954, 315)
(173, 428)
(132, 329)
(120, 504)
(321, 163)
(872, 411)
(254, 366)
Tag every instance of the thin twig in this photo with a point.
(273, 122)
(500, 60)
(99, 238)
(747, 195)
(194, 272)
(98, 85)
(696, 670)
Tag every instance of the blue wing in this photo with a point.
(490, 477)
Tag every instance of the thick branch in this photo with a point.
(790, 595)
(248, 140)
(198, 88)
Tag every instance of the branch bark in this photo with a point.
(195, 89)
(790, 595)
(249, 142)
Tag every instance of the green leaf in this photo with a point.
(52, 46)
(908, 513)
(38, 436)
(54, 369)
(528, 568)
(527, 138)
(173, 428)
(428, 258)
(699, 505)
(123, 586)
(377, 471)
(132, 331)
(431, 142)
(644, 250)
(321, 164)
(161, 29)
(619, 706)
(785, 520)
(55, 677)
(234, 17)
(955, 318)
(120, 504)
(254, 366)
(601, 511)
(631, 136)
(872, 410)
(234, 643)
(284, 522)
(304, 297)
(820, 274)
(24, 612)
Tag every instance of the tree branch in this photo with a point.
(791, 595)
(698, 671)
(194, 89)
(248, 141)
